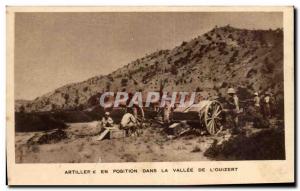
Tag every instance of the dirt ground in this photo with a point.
(81, 146)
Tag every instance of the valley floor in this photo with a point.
(82, 147)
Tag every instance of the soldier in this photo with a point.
(256, 101)
(233, 107)
(167, 112)
(129, 123)
(105, 123)
(272, 104)
(267, 110)
(107, 120)
(255, 113)
(233, 99)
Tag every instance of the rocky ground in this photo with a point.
(78, 144)
(153, 145)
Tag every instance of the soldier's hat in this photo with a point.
(231, 91)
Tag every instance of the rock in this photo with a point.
(48, 137)
(170, 137)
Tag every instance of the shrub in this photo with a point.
(251, 73)
(208, 37)
(85, 89)
(183, 43)
(268, 66)
(196, 149)
(124, 82)
(198, 89)
(234, 56)
(174, 70)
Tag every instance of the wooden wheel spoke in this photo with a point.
(220, 128)
(217, 125)
(213, 127)
(210, 126)
(216, 111)
(209, 123)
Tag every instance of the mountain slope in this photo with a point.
(208, 64)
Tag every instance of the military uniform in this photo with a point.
(267, 109)
(129, 123)
(107, 122)
(233, 108)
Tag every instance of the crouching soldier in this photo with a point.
(106, 122)
(129, 124)
(104, 125)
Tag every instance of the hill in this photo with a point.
(249, 60)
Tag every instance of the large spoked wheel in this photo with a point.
(213, 118)
(140, 117)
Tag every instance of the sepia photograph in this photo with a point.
(151, 86)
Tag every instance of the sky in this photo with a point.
(54, 49)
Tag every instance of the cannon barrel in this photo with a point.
(207, 112)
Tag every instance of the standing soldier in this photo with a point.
(272, 104)
(233, 107)
(167, 112)
(256, 101)
(267, 111)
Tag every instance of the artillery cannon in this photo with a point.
(209, 113)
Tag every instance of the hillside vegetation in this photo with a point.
(250, 60)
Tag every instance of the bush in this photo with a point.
(233, 57)
(208, 37)
(268, 66)
(124, 82)
(251, 73)
(267, 144)
(183, 43)
(174, 70)
(198, 89)
(196, 149)
(224, 85)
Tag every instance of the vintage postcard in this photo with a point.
(150, 95)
